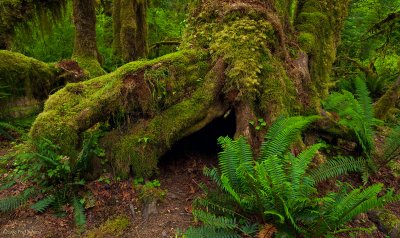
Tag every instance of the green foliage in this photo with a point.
(336, 167)
(112, 227)
(54, 177)
(79, 213)
(13, 202)
(42, 205)
(6, 129)
(391, 148)
(149, 191)
(279, 189)
(355, 114)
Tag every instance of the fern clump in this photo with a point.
(356, 114)
(52, 176)
(279, 188)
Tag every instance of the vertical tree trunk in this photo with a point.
(130, 29)
(116, 14)
(85, 47)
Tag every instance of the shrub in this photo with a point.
(277, 193)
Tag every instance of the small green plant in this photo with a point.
(149, 191)
(278, 190)
(259, 124)
(53, 176)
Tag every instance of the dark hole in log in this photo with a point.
(201, 144)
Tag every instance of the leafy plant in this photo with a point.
(53, 176)
(149, 191)
(357, 114)
(278, 190)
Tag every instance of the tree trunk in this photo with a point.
(261, 59)
(130, 29)
(85, 47)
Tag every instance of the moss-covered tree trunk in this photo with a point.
(260, 59)
(85, 45)
(130, 29)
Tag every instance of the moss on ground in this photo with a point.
(113, 227)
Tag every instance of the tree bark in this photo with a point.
(234, 57)
(85, 45)
(130, 29)
(388, 101)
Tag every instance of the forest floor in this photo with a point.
(180, 174)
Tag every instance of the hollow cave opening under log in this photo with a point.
(202, 144)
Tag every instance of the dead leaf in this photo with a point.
(267, 231)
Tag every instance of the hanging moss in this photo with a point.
(15, 13)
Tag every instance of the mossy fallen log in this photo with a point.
(26, 82)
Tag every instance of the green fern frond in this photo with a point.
(299, 168)
(229, 161)
(79, 214)
(7, 185)
(276, 173)
(282, 134)
(220, 222)
(356, 201)
(13, 202)
(392, 145)
(245, 155)
(230, 189)
(209, 232)
(43, 204)
(336, 167)
(213, 175)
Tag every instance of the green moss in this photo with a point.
(91, 66)
(113, 227)
(79, 106)
(306, 41)
(144, 143)
(277, 90)
(320, 22)
(389, 221)
(24, 76)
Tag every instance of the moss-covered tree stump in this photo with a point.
(261, 59)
